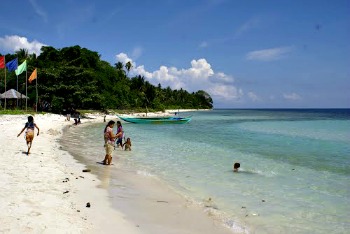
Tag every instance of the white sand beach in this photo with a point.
(47, 192)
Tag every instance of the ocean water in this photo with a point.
(295, 165)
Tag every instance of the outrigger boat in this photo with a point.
(156, 120)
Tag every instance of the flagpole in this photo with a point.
(5, 82)
(26, 91)
(36, 87)
(17, 91)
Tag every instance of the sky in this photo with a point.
(245, 54)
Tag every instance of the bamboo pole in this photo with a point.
(36, 88)
(5, 82)
(17, 91)
(26, 90)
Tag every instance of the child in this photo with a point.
(30, 132)
(236, 166)
(127, 144)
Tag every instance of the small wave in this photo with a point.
(258, 172)
(231, 224)
(214, 212)
(235, 227)
(145, 173)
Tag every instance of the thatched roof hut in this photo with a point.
(13, 94)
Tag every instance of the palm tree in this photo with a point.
(22, 54)
(128, 66)
(119, 66)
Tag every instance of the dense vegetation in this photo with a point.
(77, 77)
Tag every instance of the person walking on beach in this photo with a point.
(30, 125)
(109, 138)
(120, 130)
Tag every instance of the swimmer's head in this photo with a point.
(236, 166)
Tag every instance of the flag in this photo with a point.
(2, 61)
(21, 68)
(33, 76)
(12, 65)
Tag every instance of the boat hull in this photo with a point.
(156, 120)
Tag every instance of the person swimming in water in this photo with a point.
(236, 165)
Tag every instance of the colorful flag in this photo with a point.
(12, 65)
(2, 61)
(21, 68)
(33, 76)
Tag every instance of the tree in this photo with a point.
(22, 54)
(119, 66)
(128, 66)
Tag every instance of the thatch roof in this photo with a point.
(12, 94)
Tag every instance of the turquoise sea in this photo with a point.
(295, 165)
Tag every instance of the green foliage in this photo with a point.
(16, 112)
(77, 77)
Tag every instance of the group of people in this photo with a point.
(73, 113)
(112, 139)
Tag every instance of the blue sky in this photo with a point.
(245, 54)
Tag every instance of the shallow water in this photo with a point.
(295, 165)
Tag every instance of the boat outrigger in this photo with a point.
(156, 120)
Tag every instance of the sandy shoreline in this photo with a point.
(35, 197)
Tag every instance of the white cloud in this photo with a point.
(269, 54)
(224, 78)
(199, 76)
(253, 97)
(224, 92)
(14, 43)
(200, 69)
(292, 96)
(123, 58)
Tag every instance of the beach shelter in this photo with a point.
(13, 95)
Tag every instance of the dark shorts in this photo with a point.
(119, 141)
